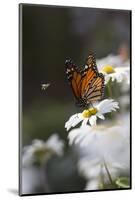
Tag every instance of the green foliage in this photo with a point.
(123, 182)
(41, 121)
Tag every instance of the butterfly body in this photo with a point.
(87, 84)
(82, 102)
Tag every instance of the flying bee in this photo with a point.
(44, 86)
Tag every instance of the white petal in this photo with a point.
(119, 77)
(113, 77)
(92, 185)
(121, 74)
(68, 126)
(92, 120)
(100, 116)
(36, 143)
(84, 123)
(73, 121)
(76, 121)
(107, 78)
(55, 143)
(107, 105)
(75, 136)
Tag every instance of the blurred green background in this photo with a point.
(50, 35)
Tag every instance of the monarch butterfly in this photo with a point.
(87, 84)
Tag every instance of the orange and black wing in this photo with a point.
(92, 84)
(87, 84)
(95, 89)
(74, 77)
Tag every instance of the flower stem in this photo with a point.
(109, 89)
(44, 179)
(47, 189)
(108, 173)
(110, 94)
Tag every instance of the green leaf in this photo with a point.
(123, 182)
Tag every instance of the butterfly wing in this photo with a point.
(92, 85)
(87, 84)
(74, 77)
(95, 89)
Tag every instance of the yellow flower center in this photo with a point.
(91, 111)
(108, 69)
(42, 154)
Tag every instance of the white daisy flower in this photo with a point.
(42, 150)
(90, 115)
(103, 151)
(113, 60)
(119, 73)
(92, 185)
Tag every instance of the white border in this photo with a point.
(9, 97)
